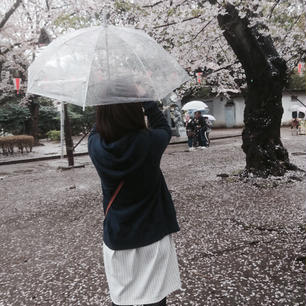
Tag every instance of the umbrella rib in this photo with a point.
(143, 67)
(89, 72)
(129, 53)
(56, 42)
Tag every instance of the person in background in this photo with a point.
(200, 129)
(190, 131)
(295, 123)
(139, 254)
(209, 126)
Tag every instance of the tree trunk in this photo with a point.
(266, 75)
(68, 137)
(34, 110)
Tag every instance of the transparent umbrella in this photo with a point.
(195, 106)
(105, 65)
(209, 117)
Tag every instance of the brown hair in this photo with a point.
(117, 120)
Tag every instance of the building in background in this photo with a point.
(229, 112)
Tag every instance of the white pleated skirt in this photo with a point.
(143, 275)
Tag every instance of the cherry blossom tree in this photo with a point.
(241, 46)
(22, 33)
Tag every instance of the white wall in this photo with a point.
(239, 109)
(288, 102)
(217, 108)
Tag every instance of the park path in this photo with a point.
(52, 149)
(240, 243)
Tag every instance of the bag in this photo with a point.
(113, 198)
(190, 133)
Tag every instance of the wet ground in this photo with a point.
(48, 149)
(241, 242)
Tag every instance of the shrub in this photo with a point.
(8, 143)
(13, 118)
(54, 135)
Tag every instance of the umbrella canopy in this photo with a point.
(209, 117)
(105, 65)
(195, 106)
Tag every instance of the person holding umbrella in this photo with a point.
(200, 129)
(139, 254)
(121, 71)
(190, 131)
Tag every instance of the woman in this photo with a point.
(190, 131)
(139, 255)
(200, 129)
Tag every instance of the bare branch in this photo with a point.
(222, 68)
(179, 4)
(205, 26)
(274, 6)
(11, 47)
(176, 22)
(9, 13)
(47, 5)
(154, 4)
(291, 93)
(298, 58)
(291, 27)
(28, 16)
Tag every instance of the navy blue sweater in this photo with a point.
(143, 211)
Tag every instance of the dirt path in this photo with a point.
(241, 243)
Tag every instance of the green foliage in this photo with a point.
(54, 135)
(48, 119)
(205, 92)
(171, 12)
(13, 118)
(67, 21)
(81, 121)
(297, 82)
(123, 6)
(45, 101)
(195, 12)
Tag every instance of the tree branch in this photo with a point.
(255, 51)
(15, 45)
(222, 68)
(299, 58)
(47, 5)
(205, 26)
(179, 4)
(274, 6)
(154, 4)
(28, 16)
(9, 13)
(291, 93)
(175, 22)
(292, 25)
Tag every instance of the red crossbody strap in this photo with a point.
(113, 197)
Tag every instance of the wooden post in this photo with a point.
(68, 137)
(62, 130)
(34, 110)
